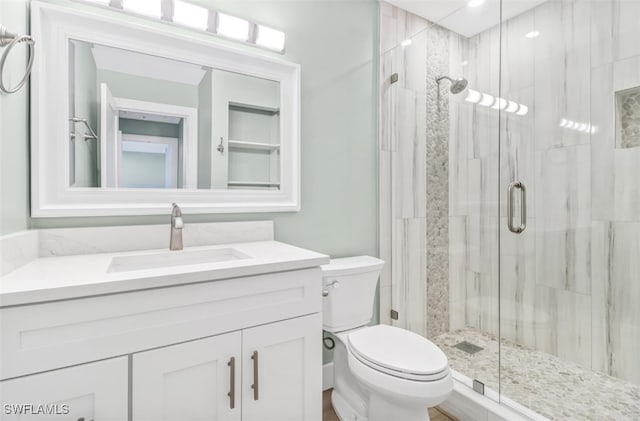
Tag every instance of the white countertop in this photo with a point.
(66, 277)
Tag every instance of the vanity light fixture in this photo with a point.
(270, 38)
(185, 13)
(475, 3)
(233, 27)
(152, 8)
(190, 15)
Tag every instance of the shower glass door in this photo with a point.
(569, 259)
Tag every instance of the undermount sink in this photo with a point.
(173, 258)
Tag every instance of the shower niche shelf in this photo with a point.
(628, 118)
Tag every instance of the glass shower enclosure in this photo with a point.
(510, 211)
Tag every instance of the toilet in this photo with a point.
(381, 373)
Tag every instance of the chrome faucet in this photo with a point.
(176, 228)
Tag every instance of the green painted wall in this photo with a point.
(14, 129)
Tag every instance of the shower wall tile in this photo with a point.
(563, 206)
(616, 313)
(603, 171)
(409, 274)
(457, 272)
(409, 164)
(563, 325)
(562, 84)
(385, 305)
(437, 178)
(397, 25)
(386, 107)
(385, 206)
(517, 284)
(614, 31)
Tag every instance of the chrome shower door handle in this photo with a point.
(517, 185)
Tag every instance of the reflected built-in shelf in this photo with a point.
(242, 144)
(253, 184)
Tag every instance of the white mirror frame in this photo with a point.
(53, 25)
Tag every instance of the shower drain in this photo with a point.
(468, 347)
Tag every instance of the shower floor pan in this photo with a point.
(548, 385)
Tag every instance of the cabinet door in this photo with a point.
(95, 391)
(189, 382)
(282, 371)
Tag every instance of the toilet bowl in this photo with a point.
(381, 373)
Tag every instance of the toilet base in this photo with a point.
(381, 409)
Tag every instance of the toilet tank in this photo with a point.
(349, 287)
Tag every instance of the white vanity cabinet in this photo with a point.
(197, 380)
(95, 391)
(257, 374)
(169, 353)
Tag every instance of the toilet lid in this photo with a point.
(398, 350)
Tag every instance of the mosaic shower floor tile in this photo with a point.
(555, 388)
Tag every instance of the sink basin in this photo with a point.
(173, 258)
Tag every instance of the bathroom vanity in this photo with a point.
(237, 337)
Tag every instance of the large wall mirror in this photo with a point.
(128, 118)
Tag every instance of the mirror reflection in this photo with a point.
(147, 122)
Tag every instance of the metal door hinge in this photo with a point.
(478, 386)
(394, 315)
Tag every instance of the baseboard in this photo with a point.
(327, 376)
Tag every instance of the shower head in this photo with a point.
(457, 85)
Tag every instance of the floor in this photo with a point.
(553, 387)
(329, 415)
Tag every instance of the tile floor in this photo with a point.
(329, 415)
(555, 388)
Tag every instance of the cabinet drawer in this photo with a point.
(95, 391)
(46, 336)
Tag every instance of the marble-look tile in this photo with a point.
(563, 327)
(387, 103)
(409, 274)
(385, 305)
(603, 172)
(72, 241)
(385, 215)
(563, 208)
(616, 313)
(409, 163)
(518, 320)
(397, 25)
(17, 249)
(563, 80)
(614, 30)
(457, 272)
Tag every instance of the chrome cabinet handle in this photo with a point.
(232, 382)
(254, 386)
(511, 205)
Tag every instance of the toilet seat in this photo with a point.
(399, 353)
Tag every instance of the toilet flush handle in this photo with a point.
(334, 284)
